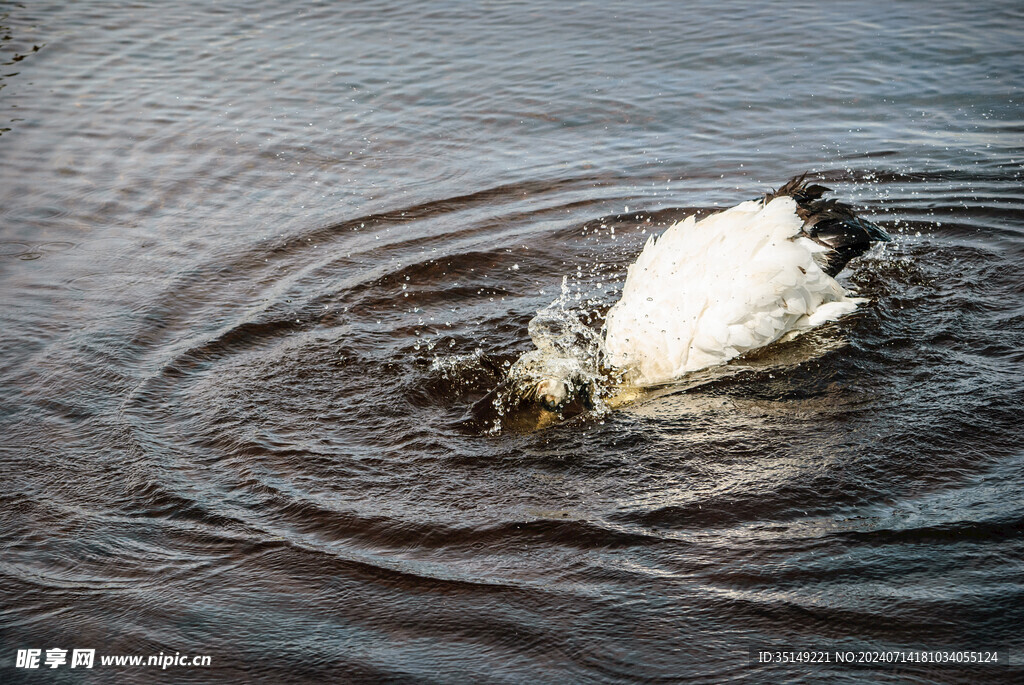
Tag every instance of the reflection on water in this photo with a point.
(257, 263)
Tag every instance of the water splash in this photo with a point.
(565, 375)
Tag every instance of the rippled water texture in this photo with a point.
(257, 260)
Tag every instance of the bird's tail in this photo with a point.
(830, 223)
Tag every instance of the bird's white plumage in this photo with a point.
(707, 291)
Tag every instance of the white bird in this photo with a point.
(707, 291)
(701, 294)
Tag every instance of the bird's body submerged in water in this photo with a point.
(699, 295)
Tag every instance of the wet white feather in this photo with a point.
(707, 291)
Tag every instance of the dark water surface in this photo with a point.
(257, 259)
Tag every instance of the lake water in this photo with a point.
(257, 260)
